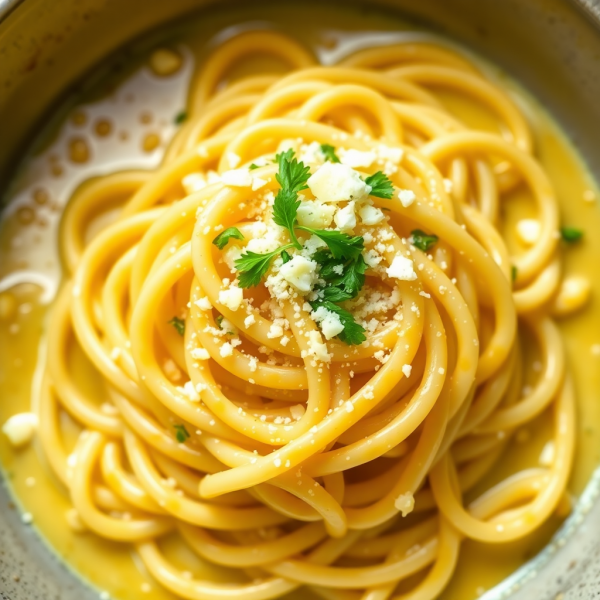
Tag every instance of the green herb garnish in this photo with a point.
(253, 166)
(513, 273)
(218, 321)
(329, 153)
(423, 241)
(381, 186)
(181, 433)
(180, 117)
(253, 266)
(353, 334)
(223, 238)
(179, 325)
(571, 235)
(285, 257)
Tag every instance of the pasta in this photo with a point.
(236, 424)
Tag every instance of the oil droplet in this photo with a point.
(79, 151)
(146, 117)
(79, 118)
(8, 306)
(40, 196)
(151, 142)
(165, 62)
(103, 127)
(25, 215)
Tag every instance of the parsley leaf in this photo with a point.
(179, 325)
(284, 212)
(513, 273)
(181, 433)
(381, 186)
(292, 178)
(180, 117)
(329, 153)
(253, 266)
(571, 234)
(335, 294)
(422, 240)
(292, 175)
(354, 276)
(253, 166)
(353, 334)
(218, 321)
(340, 244)
(285, 257)
(223, 238)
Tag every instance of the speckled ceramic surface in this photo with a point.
(559, 37)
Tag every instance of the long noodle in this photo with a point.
(296, 471)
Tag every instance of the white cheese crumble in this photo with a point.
(371, 215)
(548, 454)
(315, 214)
(233, 159)
(297, 411)
(226, 350)
(300, 272)
(345, 218)
(200, 354)
(19, 428)
(334, 182)
(193, 182)
(275, 331)
(405, 503)
(203, 303)
(407, 197)
(249, 320)
(406, 369)
(402, 268)
(258, 182)
(232, 297)
(317, 348)
(529, 231)
(356, 158)
(330, 322)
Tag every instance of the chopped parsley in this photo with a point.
(181, 433)
(329, 153)
(223, 238)
(218, 321)
(571, 235)
(179, 325)
(285, 257)
(514, 273)
(253, 166)
(381, 186)
(353, 334)
(253, 267)
(180, 117)
(422, 240)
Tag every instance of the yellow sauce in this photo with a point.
(112, 567)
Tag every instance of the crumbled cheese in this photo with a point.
(237, 178)
(203, 303)
(226, 350)
(331, 324)
(345, 218)
(348, 406)
(300, 272)
(193, 182)
(315, 214)
(275, 331)
(249, 320)
(233, 159)
(230, 255)
(19, 428)
(334, 182)
(297, 411)
(371, 215)
(405, 503)
(406, 369)
(402, 268)
(356, 158)
(189, 390)
(231, 297)
(390, 153)
(529, 231)
(253, 363)
(200, 354)
(547, 455)
(407, 197)
(257, 183)
(317, 348)
(311, 245)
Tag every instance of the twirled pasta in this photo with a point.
(298, 472)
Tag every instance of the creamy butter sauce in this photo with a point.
(130, 127)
